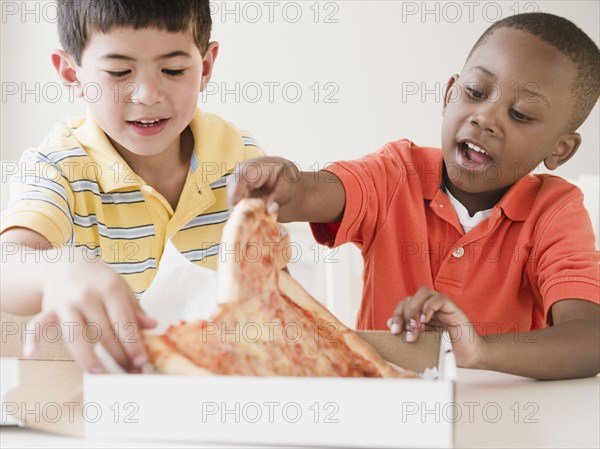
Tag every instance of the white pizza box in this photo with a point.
(340, 412)
(293, 411)
(247, 410)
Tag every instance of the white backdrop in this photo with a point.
(313, 81)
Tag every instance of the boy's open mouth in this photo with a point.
(148, 126)
(473, 154)
(147, 123)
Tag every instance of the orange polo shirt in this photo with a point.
(536, 249)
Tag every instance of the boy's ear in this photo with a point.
(449, 92)
(564, 150)
(66, 68)
(208, 62)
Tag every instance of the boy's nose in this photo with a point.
(485, 120)
(147, 91)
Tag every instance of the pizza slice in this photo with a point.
(266, 323)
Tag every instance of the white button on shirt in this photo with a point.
(458, 252)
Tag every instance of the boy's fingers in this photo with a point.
(255, 173)
(432, 306)
(123, 312)
(282, 188)
(444, 309)
(95, 315)
(396, 322)
(273, 208)
(262, 177)
(81, 349)
(145, 321)
(414, 308)
(236, 189)
(413, 313)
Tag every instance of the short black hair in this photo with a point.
(77, 18)
(570, 40)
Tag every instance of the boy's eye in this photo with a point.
(475, 94)
(519, 116)
(173, 73)
(119, 74)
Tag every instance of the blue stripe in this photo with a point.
(45, 183)
(133, 267)
(36, 156)
(115, 233)
(219, 183)
(122, 197)
(84, 185)
(95, 252)
(57, 156)
(196, 255)
(207, 219)
(250, 142)
(194, 162)
(38, 196)
(85, 221)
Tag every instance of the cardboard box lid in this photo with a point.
(13, 336)
(417, 356)
(49, 396)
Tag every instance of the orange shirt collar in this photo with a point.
(516, 203)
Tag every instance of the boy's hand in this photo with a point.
(430, 310)
(272, 178)
(91, 303)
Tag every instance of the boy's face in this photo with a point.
(507, 112)
(128, 76)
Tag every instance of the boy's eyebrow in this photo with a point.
(534, 94)
(530, 93)
(485, 71)
(172, 54)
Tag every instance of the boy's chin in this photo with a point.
(477, 187)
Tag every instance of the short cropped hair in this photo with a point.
(77, 18)
(570, 40)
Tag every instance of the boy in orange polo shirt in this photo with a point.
(465, 238)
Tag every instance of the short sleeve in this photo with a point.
(567, 263)
(370, 184)
(40, 199)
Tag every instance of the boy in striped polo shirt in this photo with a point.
(109, 189)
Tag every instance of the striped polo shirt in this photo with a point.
(77, 191)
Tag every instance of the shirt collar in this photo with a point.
(516, 202)
(429, 162)
(216, 147)
(113, 173)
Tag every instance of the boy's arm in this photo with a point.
(74, 290)
(21, 286)
(296, 195)
(569, 349)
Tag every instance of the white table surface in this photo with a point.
(491, 410)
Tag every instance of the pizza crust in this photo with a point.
(167, 359)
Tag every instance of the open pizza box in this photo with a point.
(55, 396)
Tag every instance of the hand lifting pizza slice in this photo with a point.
(266, 324)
